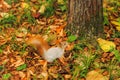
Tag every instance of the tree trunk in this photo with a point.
(85, 17)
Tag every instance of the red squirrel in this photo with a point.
(38, 41)
(47, 52)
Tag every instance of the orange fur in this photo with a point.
(47, 52)
(39, 43)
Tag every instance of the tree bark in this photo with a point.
(85, 17)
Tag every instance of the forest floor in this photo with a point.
(82, 60)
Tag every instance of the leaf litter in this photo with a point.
(19, 61)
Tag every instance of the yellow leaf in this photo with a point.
(25, 5)
(117, 25)
(3, 14)
(110, 8)
(42, 9)
(60, 1)
(118, 28)
(105, 45)
(95, 75)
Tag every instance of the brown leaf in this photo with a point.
(118, 48)
(105, 73)
(15, 75)
(45, 75)
(4, 5)
(36, 15)
(62, 60)
(22, 75)
(42, 62)
(67, 76)
(69, 47)
(33, 0)
(2, 40)
(95, 75)
(117, 41)
(104, 55)
(53, 71)
(24, 78)
(3, 60)
(18, 61)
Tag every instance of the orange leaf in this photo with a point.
(70, 47)
(42, 62)
(24, 78)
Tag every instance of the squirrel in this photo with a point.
(44, 49)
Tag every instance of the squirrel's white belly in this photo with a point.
(53, 53)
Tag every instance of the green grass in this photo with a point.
(27, 16)
(82, 65)
(9, 21)
(6, 76)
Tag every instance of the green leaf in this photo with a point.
(21, 67)
(116, 34)
(117, 54)
(106, 21)
(9, 1)
(11, 19)
(1, 50)
(72, 38)
(79, 46)
(63, 7)
(6, 76)
(1, 68)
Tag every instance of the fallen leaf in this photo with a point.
(60, 2)
(18, 62)
(67, 76)
(53, 71)
(6, 76)
(33, 0)
(62, 60)
(21, 67)
(69, 47)
(95, 75)
(117, 25)
(25, 5)
(105, 45)
(42, 62)
(36, 15)
(42, 9)
(22, 75)
(4, 4)
(4, 14)
(45, 75)
(2, 40)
